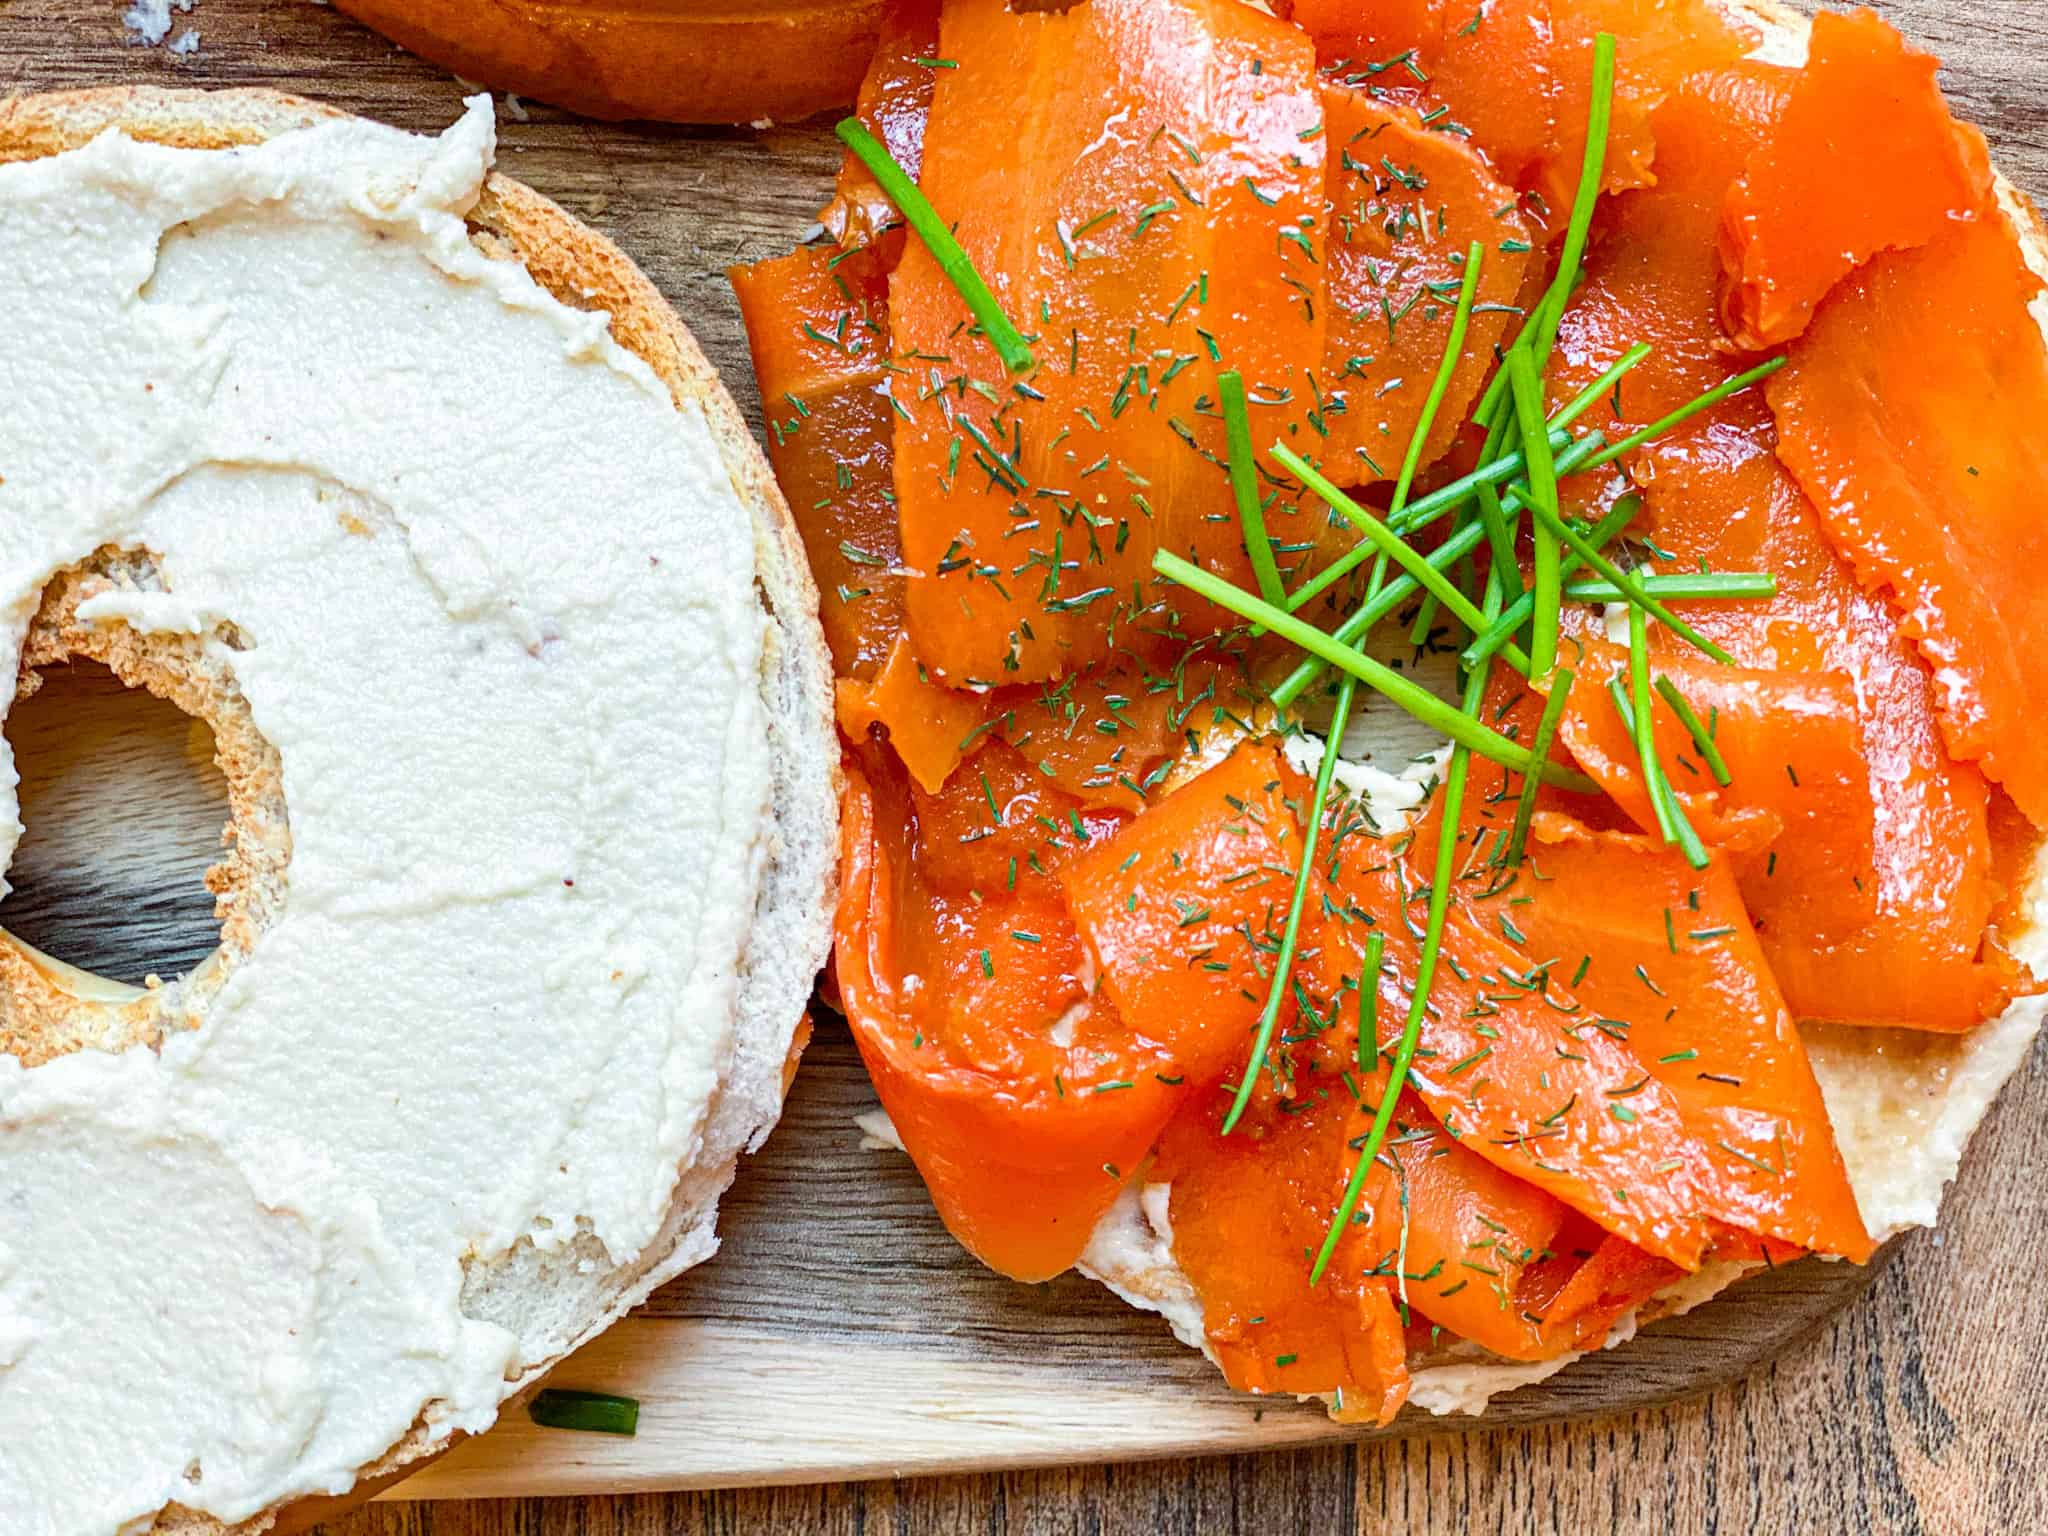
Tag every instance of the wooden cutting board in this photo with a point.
(840, 1333)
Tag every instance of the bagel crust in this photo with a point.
(421, 497)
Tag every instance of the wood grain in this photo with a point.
(1917, 1409)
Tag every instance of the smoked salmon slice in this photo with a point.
(1405, 201)
(1485, 1255)
(818, 331)
(1245, 1210)
(1140, 182)
(895, 99)
(1660, 43)
(1519, 1071)
(1184, 907)
(1480, 72)
(1911, 414)
(1716, 493)
(1864, 113)
(1665, 954)
(1023, 1098)
(1790, 742)
(1108, 736)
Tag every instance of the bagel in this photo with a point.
(416, 491)
(1903, 1103)
(676, 60)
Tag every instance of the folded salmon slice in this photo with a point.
(895, 100)
(1792, 743)
(1183, 910)
(820, 342)
(1666, 955)
(1715, 492)
(1024, 1099)
(1910, 412)
(1658, 44)
(1146, 203)
(1405, 202)
(1480, 70)
(1108, 736)
(1485, 1255)
(1516, 1069)
(1864, 113)
(1247, 1210)
(932, 728)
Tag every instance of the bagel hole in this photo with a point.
(122, 808)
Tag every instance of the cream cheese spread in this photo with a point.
(492, 600)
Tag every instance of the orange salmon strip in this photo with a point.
(1906, 950)
(1932, 487)
(1146, 206)
(820, 343)
(1405, 201)
(1023, 1098)
(1865, 114)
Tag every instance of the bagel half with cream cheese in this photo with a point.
(1903, 1103)
(417, 492)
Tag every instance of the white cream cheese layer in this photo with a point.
(495, 598)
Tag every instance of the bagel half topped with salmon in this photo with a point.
(417, 492)
(1436, 612)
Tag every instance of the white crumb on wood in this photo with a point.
(149, 23)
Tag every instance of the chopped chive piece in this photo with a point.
(1592, 167)
(597, 1412)
(1703, 401)
(1454, 352)
(1701, 587)
(1444, 876)
(1369, 999)
(938, 239)
(1244, 485)
(1546, 732)
(1283, 963)
(1541, 330)
(1701, 738)
(1412, 696)
(1670, 811)
(1642, 726)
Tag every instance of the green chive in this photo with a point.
(938, 239)
(1369, 999)
(1283, 964)
(597, 1412)
(1704, 586)
(1528, 398)
(1546, 732)
(1425, 974)
(1454, 352)
(1701, 738)
(1244, 485)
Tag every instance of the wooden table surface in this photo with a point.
(1917, 1409)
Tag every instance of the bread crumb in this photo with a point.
(149, 23)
